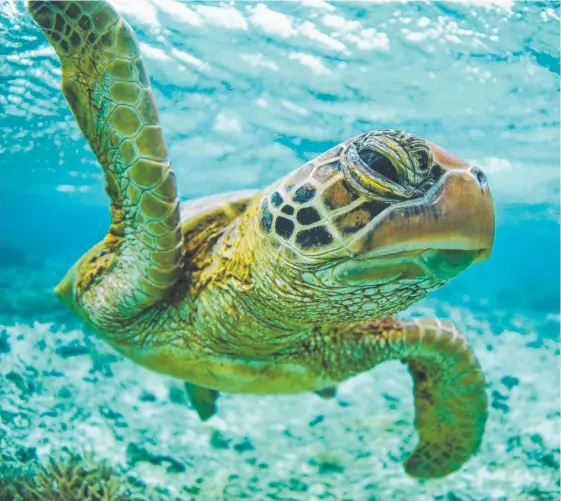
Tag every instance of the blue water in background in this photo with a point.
(263, 94)
(249, 91)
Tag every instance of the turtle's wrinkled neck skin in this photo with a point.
(290, 290)
(314, 250)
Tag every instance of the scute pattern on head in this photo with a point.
(292, 212)
(314, 210)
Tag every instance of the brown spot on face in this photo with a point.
(358, 218)
(338, 195)
(352, 221)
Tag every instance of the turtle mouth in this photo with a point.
(441, 265)
(455, 217)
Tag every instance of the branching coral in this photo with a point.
(68, 478)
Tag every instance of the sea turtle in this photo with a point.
(285, 290)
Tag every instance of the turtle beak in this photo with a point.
(455, 215)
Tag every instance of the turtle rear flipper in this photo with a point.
(203, 400)
(328, 393)
(107, 87)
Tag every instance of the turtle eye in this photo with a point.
(379, 164)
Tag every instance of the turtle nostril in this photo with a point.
(481, 178)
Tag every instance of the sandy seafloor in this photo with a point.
(248, 91)
(61, 387)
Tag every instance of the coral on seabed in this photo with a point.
(69, 477)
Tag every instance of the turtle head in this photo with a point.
(380, 221)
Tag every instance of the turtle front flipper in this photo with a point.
(449, 387)
(107, 87)
(203, 400)
(450, 398)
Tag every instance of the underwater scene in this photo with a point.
(284, 300)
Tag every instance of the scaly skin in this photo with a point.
(106, 85)
(286, 291)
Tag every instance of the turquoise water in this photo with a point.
(247, 92)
